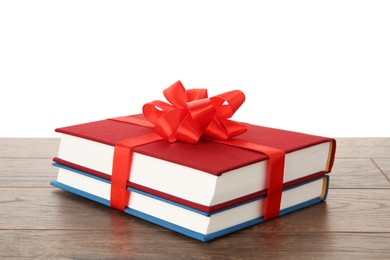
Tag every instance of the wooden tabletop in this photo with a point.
(40, 221)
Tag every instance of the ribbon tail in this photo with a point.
(224, 129)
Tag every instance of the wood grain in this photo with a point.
(40, 221)
(26, 172)
(162, 245)
(362, 147)
(384, 166)
(357, 174)
(29, 147)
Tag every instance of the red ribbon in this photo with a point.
(123, 158)
(275, 173)
(190, 116)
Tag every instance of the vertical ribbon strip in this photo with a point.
(274, 176)
(123, 158)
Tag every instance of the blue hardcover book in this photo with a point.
(186, 220)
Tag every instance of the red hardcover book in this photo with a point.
(207, 176)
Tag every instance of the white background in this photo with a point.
(320, 67)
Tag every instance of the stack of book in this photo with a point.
(204, 190)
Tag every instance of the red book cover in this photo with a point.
(207, 156)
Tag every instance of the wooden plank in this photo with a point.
(26, 172)
(119, 244)
(50, 208)
(362, 147)
(345, 210)
(29, 147)
(357, 174)
(384, 166)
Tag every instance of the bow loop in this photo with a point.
(196, 93)
(228, 103)
(191, 114)
(176, 95)
(156, 109)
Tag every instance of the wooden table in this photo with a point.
(40, 221)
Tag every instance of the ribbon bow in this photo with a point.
(192, 115)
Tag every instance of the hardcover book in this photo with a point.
(207, 176)
(186, 220)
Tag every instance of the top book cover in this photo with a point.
(207, 175)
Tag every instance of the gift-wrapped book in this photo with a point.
(187, 167)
